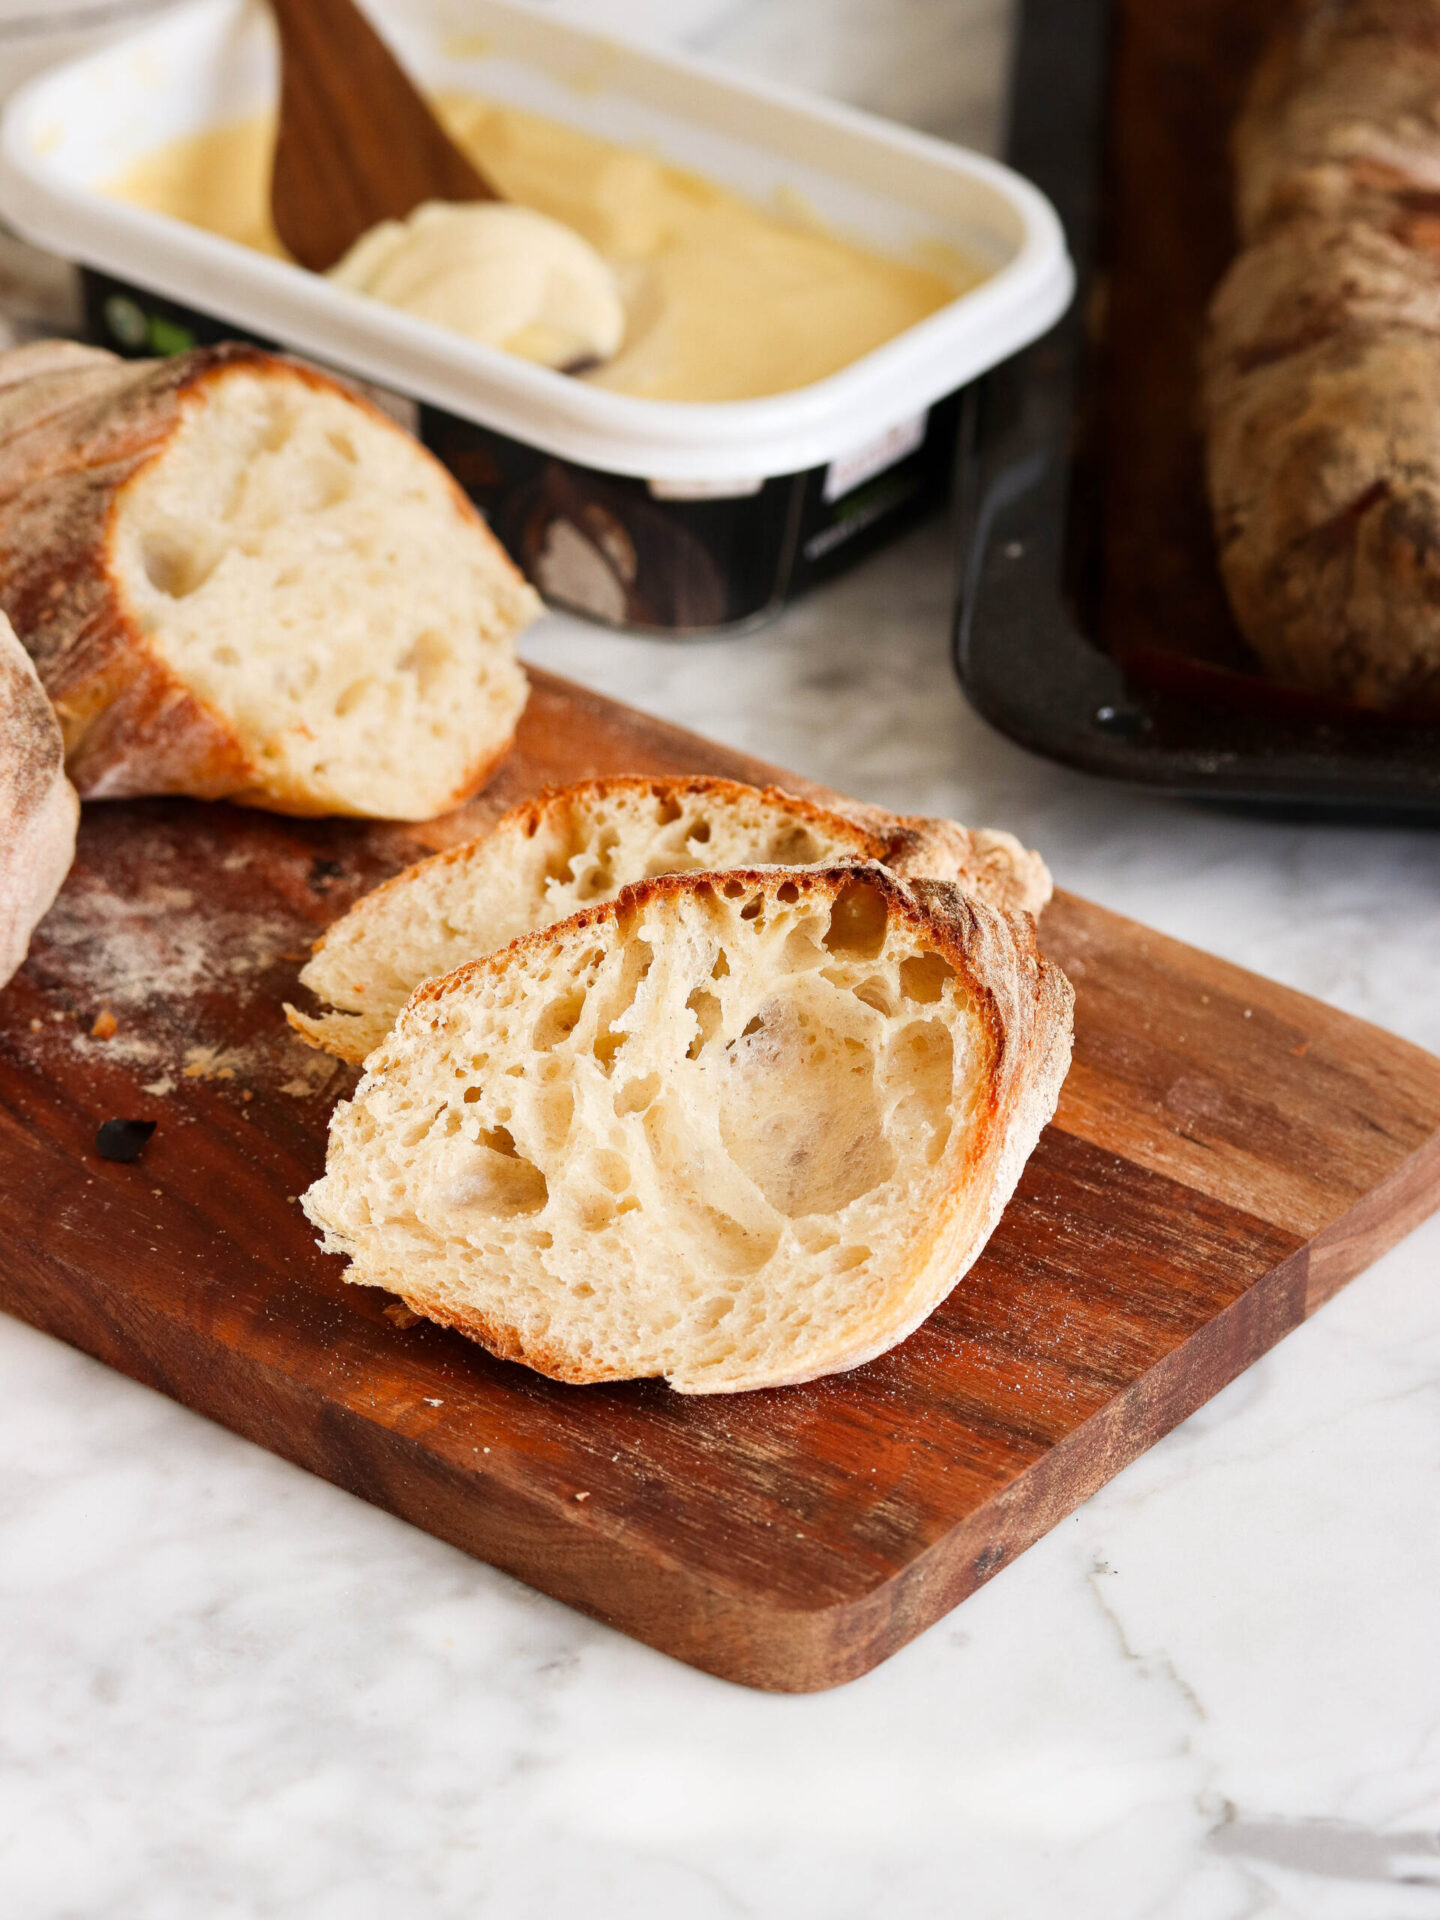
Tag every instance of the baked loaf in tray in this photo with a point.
(1321, 388)
(736, 1129)
(574, 846)
(38, 806)
(239, 580)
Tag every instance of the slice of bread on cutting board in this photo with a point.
(572, 847)
(239, 580)
(738, 1130)
(38, 806)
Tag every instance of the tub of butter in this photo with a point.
(803, 290)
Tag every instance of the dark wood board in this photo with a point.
(1227, 1153)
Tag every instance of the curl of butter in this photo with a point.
(497, 273)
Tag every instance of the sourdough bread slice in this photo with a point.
(237, 579)
(574, 846)
(38, 805)
(739, 1130)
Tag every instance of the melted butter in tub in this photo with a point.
(723, 300)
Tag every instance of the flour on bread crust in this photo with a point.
(38, 805)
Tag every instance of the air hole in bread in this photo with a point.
(489, 1176)
(789, 893)
(922, 1061)
(554, 1114)
(876, 993)
(801, 950)
(706, 1009)
(558, 1021)
(175, 567)
(794, 848)
(636, 1095)
(595, 883)
(778, 1080)
(734, 889)
(752, 909)
(859, 921)
(721, 967)
(667, 810)
(700, 831)
(611, 1170)
(352, 696)
(277, 423)
(923, 978)
(428, 657)
(595, 1211)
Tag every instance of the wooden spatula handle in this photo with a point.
(357, 142)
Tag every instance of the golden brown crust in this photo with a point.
(1320, 386)
(505, 1342)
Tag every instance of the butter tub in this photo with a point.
(653, 515)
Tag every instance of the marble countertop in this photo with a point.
(1212, 1693)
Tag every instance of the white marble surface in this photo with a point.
(1213, 1693)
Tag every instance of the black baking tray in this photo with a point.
(1091, 624)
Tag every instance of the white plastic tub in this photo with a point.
(815, 455)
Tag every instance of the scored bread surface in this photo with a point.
(1320, 389)
(576, 846)
(237, 579)
(38, 805)
(736, 1129)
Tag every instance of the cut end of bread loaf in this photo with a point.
(737, 1129)
(575, 846)
(318, 581)
(39, 808)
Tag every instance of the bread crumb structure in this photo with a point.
(736, 1129)
(573, 847)
(239, 580)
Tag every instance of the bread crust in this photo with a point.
(77, 430)
(1320, 393)
(1024, 1007)
(992, 864)
(38, 805)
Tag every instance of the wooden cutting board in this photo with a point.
(1227, 1154)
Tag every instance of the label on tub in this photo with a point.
(703, 489)
(887, 449)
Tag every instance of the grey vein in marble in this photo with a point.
(1212, 1693)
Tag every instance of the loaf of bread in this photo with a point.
(1321, 366)
(574, 846)
(739, 1130)
(238, 580)
(38, 806)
